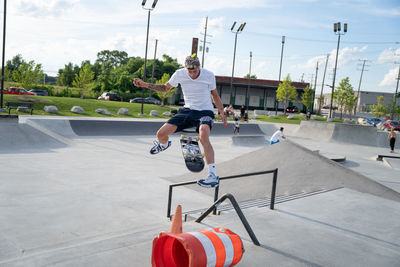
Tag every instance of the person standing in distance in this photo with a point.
(276, 136)
(392, 139)
(197, 86)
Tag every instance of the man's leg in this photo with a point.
(212, 179)
(165, 131)
(204, 133)
(162, 136)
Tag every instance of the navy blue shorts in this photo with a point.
(187, 118)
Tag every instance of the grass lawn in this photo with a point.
(282, 119)
(64, 105)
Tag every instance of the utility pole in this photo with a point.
(315, 87)
(359, 85)
(395, 95)
(280, 70)
(204, 43)
(248, 85)
(322, 86)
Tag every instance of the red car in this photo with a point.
(17, 91)
(389, 124)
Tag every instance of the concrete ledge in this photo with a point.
(6, 118)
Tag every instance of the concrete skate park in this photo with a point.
(86, 192)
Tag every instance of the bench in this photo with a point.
(380, 157)
(14, 105)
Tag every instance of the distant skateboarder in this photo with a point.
(275, 138)
(197, 86)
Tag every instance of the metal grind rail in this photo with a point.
(273, 191)
(261, 202)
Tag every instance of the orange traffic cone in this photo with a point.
(211, 247)
(176, 226)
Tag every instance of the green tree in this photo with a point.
(66, 75)
(342, 93)
(13, 65)
(350, 101)
(253, 76)
(165, 95)
(115, 58)
(83, 78)
(379, 109)
(28, 74)
(307, 97)
(286, 92)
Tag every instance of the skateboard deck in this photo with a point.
(191, 153)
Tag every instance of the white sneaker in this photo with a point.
(210, 181)
(157, 148)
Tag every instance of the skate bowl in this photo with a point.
(249, 140)
(136, 127)
(342, 133)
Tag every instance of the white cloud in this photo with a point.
(393, 12)
(215, 26)
(390, 78)
(388, 56)
(41, 7)
(190, 6)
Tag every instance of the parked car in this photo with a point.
(152, 100)
(373, 121)
(109, 96)
(147, 100)
(292, 109)
(39, 92)
(17, 91)
(329, 107)
(387, 125)
(137, 100)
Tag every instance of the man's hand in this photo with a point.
(139, 83)
(224, 120)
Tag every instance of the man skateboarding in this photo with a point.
(197, 86)
(275, 137)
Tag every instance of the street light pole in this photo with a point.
(147, 42)
(236, 32)
(279, 81)
(4, 49)
(337, 30)
(248, 86)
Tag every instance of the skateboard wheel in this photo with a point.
(182, 136)
(197, 138)
(202, 154)
(186, 154)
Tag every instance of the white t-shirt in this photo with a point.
(275, 137)
(196, 92)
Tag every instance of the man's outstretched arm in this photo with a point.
(156, 87)
(218, 103)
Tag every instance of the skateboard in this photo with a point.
(191, 153)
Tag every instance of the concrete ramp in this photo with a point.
(248, 140)
(18, 137)
(148, 127)
(342, 133)
(300, 171)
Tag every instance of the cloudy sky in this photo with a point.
(56, 32)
